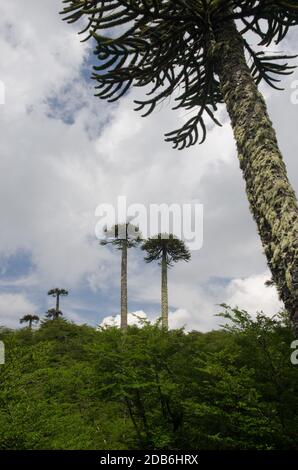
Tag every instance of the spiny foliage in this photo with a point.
(171, 46)
(166, 245)
(57, 292)
(121, 234)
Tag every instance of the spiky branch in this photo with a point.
(169, 46)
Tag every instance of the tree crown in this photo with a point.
(169, 45)
(27, 318)
(56, 291)
(165, 246)
(122, 234)
(53, 313)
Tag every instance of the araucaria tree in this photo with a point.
(194, 50)
(56, 292)
(123, 237)
(30, 319)
(167, 249)
(53, 313)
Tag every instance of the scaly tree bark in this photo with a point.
(272, 199)
(193, 50)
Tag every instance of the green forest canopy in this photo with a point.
(66, 386)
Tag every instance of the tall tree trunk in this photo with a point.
(164, 293)
(123, 305)
(271, 197)
(30, 324)
(57, 304)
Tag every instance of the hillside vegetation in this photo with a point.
(72, 387)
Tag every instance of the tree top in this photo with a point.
(167, 246)
(169, 46)
(122, 234)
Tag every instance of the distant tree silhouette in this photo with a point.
(57, 293)
(167, 249)
(53, 313)
(123, 237)
(29, 319)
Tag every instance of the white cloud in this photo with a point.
(49, 169)
(180, 318)
(13, 307)
(252, 295)
(53, 176)
(41, 51)
(249, 294)
(133, 318)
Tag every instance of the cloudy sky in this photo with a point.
(63, 152)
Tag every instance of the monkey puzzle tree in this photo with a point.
(194, 50)
(30, 319)
(56, 292)
(123, 237)
(53, 313)
(167, 249)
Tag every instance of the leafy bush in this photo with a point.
(72, 387)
